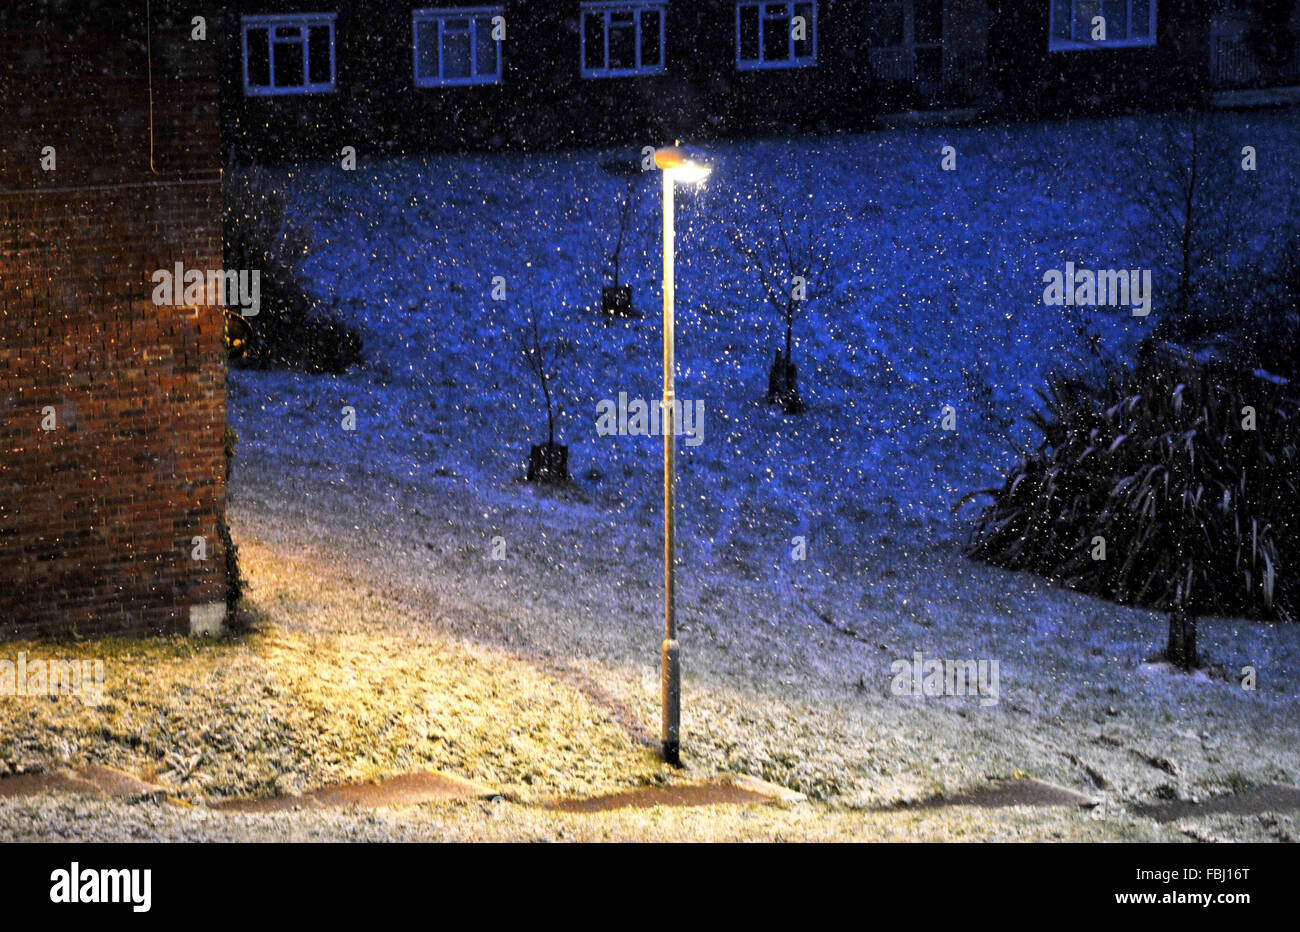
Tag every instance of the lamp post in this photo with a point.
(676, 166)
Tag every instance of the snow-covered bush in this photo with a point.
(289, 332)
(1169, 483)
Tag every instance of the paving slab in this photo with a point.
(999, 794)
(88, 781)
(408, 789)
(1274, 797)
(729, 789)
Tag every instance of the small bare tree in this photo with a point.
(616, 226)
(1194, 218)
(786, 252)
(625, 209)
(543, 356)
(1185, 185)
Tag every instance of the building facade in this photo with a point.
(112, 408)
(112, 404)
(1057, 57)
(307, 77)
(1255, 44)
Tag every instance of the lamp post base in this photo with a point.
(673, 753)
(672, 701)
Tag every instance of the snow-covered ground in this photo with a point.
(936, 299)
(365, 667)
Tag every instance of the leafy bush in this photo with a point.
(1196, 509)
(289, 331)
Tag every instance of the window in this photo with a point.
(1127, 23)
(624, 37)
(456, 46)
(905, 40)
(776, 35)
(291, 54)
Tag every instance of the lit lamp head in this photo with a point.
(685, 166)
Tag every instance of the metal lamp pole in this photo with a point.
(672, 672)
(676, 165)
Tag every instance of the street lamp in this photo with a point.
(677, 166)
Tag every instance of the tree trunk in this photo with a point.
(1189, 223)
(789, 338)
(1181, 649)
(550, 414)
(548, 464)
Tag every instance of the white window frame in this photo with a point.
(440, 15)
(270, 23)
(792, 61)
(1057, 44)
(637, 7)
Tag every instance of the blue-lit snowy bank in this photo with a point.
(930, 315)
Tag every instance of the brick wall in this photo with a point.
(97, 516)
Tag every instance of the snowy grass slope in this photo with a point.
(936, 300)
(939, 302)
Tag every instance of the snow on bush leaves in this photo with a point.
(1187, 471)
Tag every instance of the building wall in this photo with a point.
(97, 515)
(995, 55)
(1027, 79)
(542, 100)
(1255, 43)
(965, 40)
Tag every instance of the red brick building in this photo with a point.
(112, 409)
